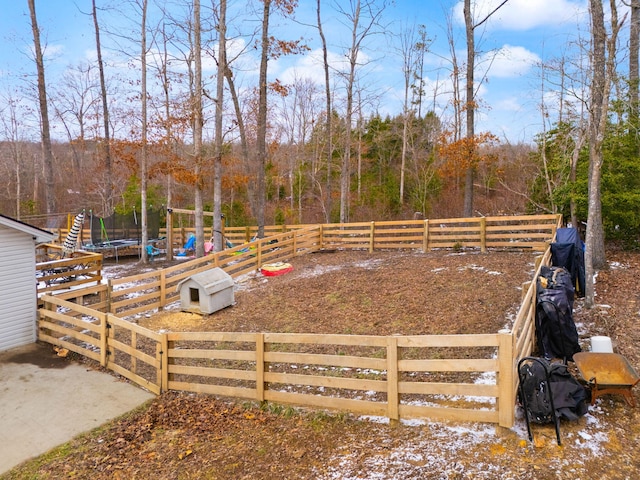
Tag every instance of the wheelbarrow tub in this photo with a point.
(607, 373)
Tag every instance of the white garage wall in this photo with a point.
(17, 288)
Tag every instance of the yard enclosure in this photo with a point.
(524, 231)
(456, 377)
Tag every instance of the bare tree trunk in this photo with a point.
(217, 166)
(603, 64)
(105, 116)
(261, 141)
(634, 46)
(455, 80)
(408, 71)
(471, 101)
(47, 153)
(143, 160)
(471, 52)
(18, 187)
(543, 146)
(242, 131)
(345, 173)
(328, 124)
(197, 128)
(164, 76)
(634, 69)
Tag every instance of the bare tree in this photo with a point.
(634, 69)
(45, 133)
(261, 140)
(634, 47)
(413, 46)
(364, 20)
(603, 59)
(197, 127)
(74, 106)
(105, 115)
(144, 151)
(298, 110)
(328, 116)
(10, 127)
(217, 166)
(470, 27)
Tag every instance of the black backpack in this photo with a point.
(556, 333)
(548, 392)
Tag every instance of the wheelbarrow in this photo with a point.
(607, 373)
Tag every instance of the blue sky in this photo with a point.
(512, 44)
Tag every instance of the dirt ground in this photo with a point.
(184, 436)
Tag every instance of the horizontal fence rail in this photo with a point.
(454, 377)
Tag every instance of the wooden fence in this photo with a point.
(56, 272)
(156, 289)
(524, 232)
(454, 377)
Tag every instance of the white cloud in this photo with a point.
(311, 66)
(526, 14)
(509, 61)
(510, 104)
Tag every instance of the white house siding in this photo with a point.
(17, 288)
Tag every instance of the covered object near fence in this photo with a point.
(18, 297)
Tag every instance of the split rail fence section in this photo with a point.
(55, 271)
(453, 377)
(524, 231)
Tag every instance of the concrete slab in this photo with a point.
(46, 400)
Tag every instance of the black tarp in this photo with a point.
(556, 332)
(568, 252)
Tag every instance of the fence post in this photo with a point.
(109, 334)
(372, 233)
(104, 339)
(425, 237)
(483, 234)
(169, 241)
(260, 367)
(258, 253)
(506, 379)
(163, 289)
(163, 347)
(393, 398)
(109, 295)
(321, 235)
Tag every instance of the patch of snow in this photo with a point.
(618, 265)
